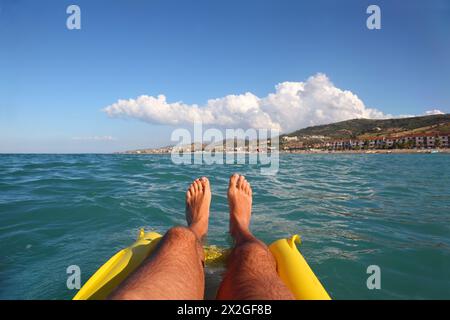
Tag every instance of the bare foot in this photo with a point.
(198, 199)
(240, 202)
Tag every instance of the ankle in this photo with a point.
(199, 230)
(242, 235)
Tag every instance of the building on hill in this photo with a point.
(289, 139)
(420, 140)
(443, 141)
(294, 146)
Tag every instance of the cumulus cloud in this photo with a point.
(434, 111)
(293, 105)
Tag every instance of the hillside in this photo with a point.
(360, 128)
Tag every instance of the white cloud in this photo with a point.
(95, 138)
(293, 105)
(434, 111)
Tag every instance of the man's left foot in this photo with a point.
(198, 199)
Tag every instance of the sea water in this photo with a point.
(352, 211)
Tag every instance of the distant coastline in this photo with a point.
(311, 151)
(425, 134)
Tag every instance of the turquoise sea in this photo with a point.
(352, 211)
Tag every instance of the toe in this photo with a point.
(248, 189)
(192, 189)
(205, 183)
(188, 195)
(233, 180)
(240, 182)
(198, 185)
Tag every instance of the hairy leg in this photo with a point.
(251, 272)
(175, 270)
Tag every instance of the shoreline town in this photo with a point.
(415, 143)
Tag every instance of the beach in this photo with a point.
(373, 151)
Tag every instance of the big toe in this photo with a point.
(233, 180)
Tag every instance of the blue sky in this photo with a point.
(54, 82)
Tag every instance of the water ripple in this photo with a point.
(351, 210)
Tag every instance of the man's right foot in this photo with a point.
(198, 200)
(240, 202)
